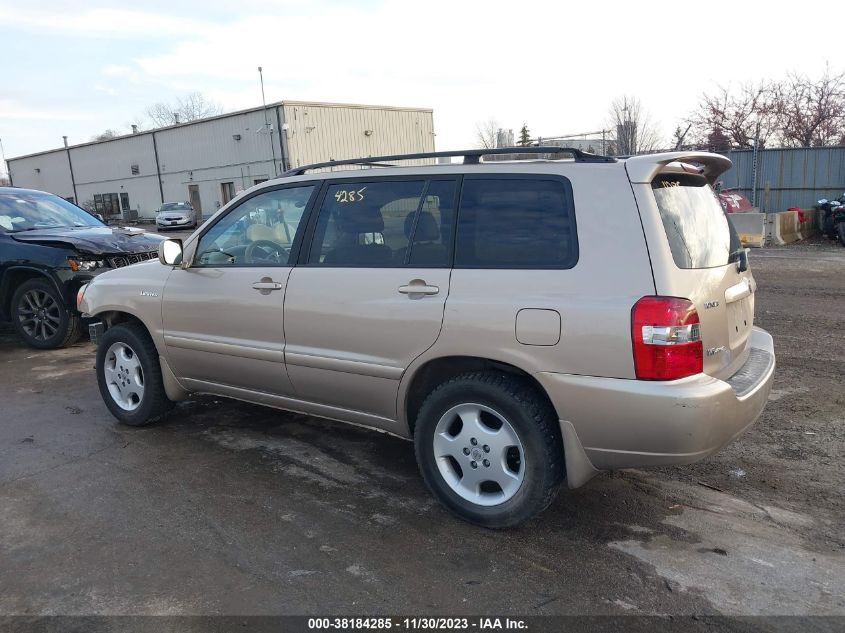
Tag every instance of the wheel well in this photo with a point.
(115, 317)
(439, 370)
(11, 281)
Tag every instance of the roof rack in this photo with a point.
(470, 156)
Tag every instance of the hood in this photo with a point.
(95, 240)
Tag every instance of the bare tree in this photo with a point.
(486, 133)
(105, 135)
(811, 111)
(635, 132)
(194, 106)
(736, 114)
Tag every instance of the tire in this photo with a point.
(840, 231)
(41, 317)
(528, 425)
(129, 375)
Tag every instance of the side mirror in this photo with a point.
(100, 218)
(170, 252)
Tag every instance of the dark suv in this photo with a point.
(48, 248)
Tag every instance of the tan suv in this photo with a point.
(523, 322)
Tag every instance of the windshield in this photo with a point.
(28, 210)
(175, 206)
(697, 228)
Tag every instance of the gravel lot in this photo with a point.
(227, 508)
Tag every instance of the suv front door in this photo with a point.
(368, 295)
(222, 315)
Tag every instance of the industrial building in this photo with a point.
(208, 161)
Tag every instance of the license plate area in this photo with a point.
(740, 321)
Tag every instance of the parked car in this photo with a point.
(522, 322)
(176, 215)
(48, 248)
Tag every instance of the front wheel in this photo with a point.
(129, 375)
(41, 318)
(840, 231)
(489, 448)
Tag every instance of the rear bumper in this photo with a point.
(621, 423)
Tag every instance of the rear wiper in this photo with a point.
(740, 256)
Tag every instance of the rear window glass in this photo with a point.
(515, 223)
(696, 226)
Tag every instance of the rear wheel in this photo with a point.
(41, 318)
(489, 448)
(129, 375)
(840, 230)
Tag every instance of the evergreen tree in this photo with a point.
(524, 136)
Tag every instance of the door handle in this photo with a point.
(418, 287)
(266, 285)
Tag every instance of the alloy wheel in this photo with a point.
(479, 454)
(39, 314)
(124, 376)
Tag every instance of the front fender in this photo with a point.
(136, 290)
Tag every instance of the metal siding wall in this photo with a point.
(112, 161)
(794, 177)
(212, 144)
(54, 176)
(206, 153)
(319, 133)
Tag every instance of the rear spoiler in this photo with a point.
(643, 169)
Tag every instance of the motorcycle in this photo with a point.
(833, 218)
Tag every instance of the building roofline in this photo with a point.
(275, 104)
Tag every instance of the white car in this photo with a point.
(173, 215)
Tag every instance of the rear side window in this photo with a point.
(699, 233)
(385, 224)
(516, 223)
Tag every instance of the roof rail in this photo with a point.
(470, 156)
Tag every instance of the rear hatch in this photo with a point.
(697, 255)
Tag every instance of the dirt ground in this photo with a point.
(226, 508)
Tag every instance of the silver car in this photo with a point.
(523, 322)
(176, 215)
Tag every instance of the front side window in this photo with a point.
(27, 211)
(516, 223)
(259, 231)
(699, 233)
(381, 224)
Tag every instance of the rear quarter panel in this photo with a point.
(594, 298)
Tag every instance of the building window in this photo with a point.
(228, 191)
(135, 170)
(124, 201)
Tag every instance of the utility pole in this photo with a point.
(755, 159)
(267, 124)
(3, 162)
(70, 166)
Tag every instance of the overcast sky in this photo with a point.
(80, 67)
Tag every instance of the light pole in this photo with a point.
(3, 160)
(267, 123)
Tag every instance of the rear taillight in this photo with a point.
(666, 338)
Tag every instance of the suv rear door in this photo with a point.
(695, 252)
(367, 297)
